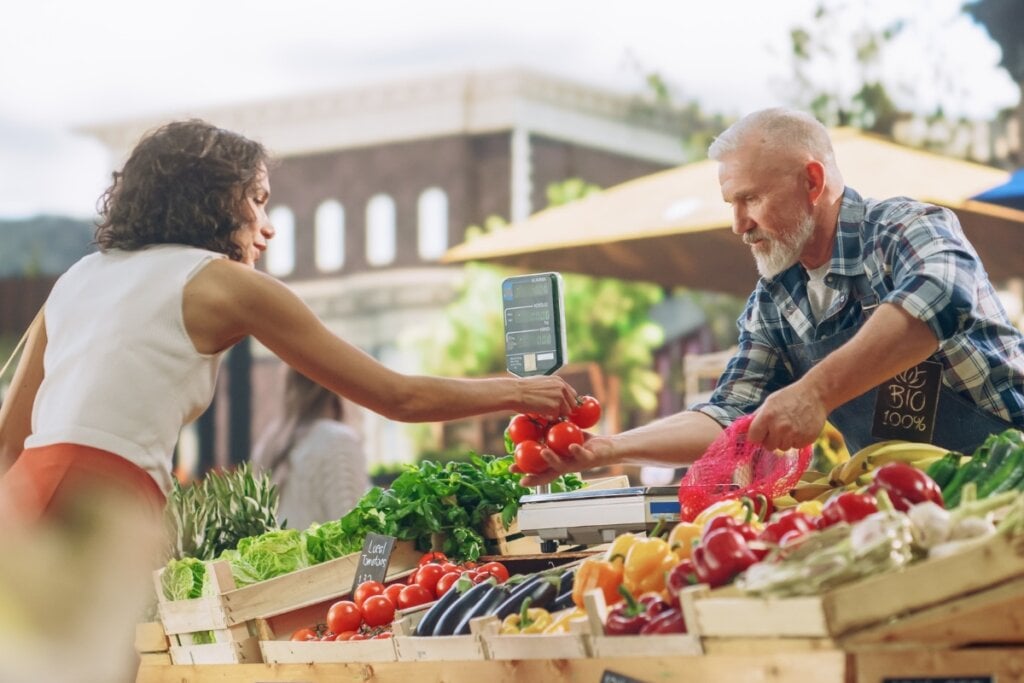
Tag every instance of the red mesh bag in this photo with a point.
(732, 467)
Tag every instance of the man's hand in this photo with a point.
(790, 418)
(596, 451)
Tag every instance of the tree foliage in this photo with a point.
(606, 322)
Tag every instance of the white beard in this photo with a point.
(781, 252)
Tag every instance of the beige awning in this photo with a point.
(673, 228)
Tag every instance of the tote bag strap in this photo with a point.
(21, 342)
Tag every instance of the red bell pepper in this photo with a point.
(906, 485)
(681, 576)
(627, 617)
(721, 556)
(848, 507)
(669, 621)
(788, 521)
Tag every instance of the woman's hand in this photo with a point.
(549, 397)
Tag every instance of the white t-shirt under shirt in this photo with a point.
(819, 294)
(120, 371)
(326, 475)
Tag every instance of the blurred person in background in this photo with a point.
(853, 292)
(315, 460)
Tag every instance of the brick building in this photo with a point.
(374, 183)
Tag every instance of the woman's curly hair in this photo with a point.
(184, 183)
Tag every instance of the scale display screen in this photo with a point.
(534, 315)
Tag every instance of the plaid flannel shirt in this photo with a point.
(916, 257)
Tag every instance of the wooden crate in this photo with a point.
(316, 652)
(231, 612)
(858, 605)
(659, 645)
(151, 644)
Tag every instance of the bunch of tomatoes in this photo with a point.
(531, 434)
(370, 612)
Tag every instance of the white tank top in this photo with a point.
(121, 372)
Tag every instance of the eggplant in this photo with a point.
(451, 617)
(541, 592)
(565, 581)
(563, 601)
(428, 622)
(491, 599)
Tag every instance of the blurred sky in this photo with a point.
(65, 63)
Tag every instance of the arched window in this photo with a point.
(432, 229)
(380, 230)
(330, 236)
(281, 249)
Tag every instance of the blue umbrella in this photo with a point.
(1010, 193)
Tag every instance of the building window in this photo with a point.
(380, 230)
(330, 236)
(432, 214)
(281, 249)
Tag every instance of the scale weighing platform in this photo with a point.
(592, 517)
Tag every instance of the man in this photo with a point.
(853, 293)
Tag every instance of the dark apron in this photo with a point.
(960, 425)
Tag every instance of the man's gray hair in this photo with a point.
(779, 131)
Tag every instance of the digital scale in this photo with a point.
(534, 314)
(593, 517)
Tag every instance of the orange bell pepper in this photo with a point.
(597, 572)
(648, 561)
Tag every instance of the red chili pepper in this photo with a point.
(669, 621)
(721, 556)
(848, 507)
(790, 520)
(906, 485)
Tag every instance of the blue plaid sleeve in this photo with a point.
(934, 273)
(755, 371)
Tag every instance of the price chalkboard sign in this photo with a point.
(943, 679)
(610, 676)
(906, 404)
(374, 559)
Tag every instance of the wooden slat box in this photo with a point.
(231, 612)
(858, 605)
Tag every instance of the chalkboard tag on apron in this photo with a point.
(907, 404)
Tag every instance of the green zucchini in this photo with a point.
(967, 472)
(1006, 476)
(942, 470)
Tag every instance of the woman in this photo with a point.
(314, 459)
(131, 337)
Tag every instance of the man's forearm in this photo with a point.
(890, 342)
(675, 440)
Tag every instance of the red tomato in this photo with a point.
(392, 591)
(305, 634)
(344, 615)
(528, 458)
(328, 636)
(345, 635)
(495, 569)
(446, 581)
(427, 576)
(586, 413)
(359, 636)
(563, 435)
(478, 576)
(449, 567)
(522, 428)
(365, 590)
(378, 611)
(382, 635)
(434, 556)
(414, 595)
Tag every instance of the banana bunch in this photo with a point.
(858, 469)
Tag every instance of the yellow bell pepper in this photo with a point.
(648, 561)
(811, 507)
(597, 572)
(681, 538)
(529, 620)
(733, 507)
(620, 546)
(562, 620)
